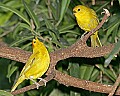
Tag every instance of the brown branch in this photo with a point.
(84, 84)
(76, 50)
(79, 49)
(14, 54)
(116, 84)
(68, 81)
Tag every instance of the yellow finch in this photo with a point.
(36, 65)
(87, 20)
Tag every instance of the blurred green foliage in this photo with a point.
(53, 22)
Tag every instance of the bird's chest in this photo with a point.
(84, 23)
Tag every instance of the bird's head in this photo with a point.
(79, 11)
(36, 42)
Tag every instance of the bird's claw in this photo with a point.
(41, 79)
(83, 35)
(37, 84)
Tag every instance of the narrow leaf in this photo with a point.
(22, 40)
(107, 72)
(64, 7)
(112, 54)
(5, 93)
(119, 1)
(15, 11)
(31, 14)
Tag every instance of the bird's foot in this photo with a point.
(41, 79)
(82, 37)
(37, 84)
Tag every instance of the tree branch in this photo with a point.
(114, 87)
(79, 49)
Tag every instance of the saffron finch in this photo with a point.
(87, 20)
(36, 65)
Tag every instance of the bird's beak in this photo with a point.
(33, 42)
(36, 38)
(74, 11)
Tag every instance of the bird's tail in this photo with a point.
(20, 80)
(95, 41)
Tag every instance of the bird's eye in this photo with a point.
(34, 41)
(78, 9)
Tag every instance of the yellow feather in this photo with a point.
(37, 63)
(87, 20)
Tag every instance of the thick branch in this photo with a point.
(16, 54)
(67, 80)
(84, 84)
(76, 50)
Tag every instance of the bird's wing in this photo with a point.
(31, 61)
(93, 22)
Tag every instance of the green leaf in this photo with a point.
(16, 12)
(66, 27)
(111, 29)
(64, 7)
(86, 71)
(74, 69)
(54, 33)
(26, 46)
(58, 92)
(74, 93)
(14, 4)
(103, 6)
(107, 72)
(119, 1)
(94, 75)
(24, 25)
(31, 14)
(19, 26)
(70, 31)
(114, 33)
(115, 50)
(82, 71)
(5, 17)
(21, 40)
(11, 70)
(5, 93)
